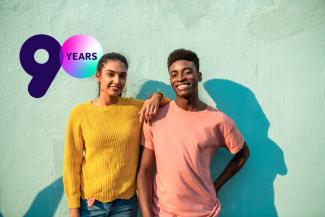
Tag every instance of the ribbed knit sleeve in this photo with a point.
(73, 151)
(139, 102)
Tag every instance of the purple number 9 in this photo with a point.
(43, 74)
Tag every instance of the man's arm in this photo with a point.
(144, 182)
(232, 168)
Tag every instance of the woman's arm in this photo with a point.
(151, 105)
(144, 182)
(74, 212)
(73, 150)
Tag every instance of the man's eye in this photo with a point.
(172, 75)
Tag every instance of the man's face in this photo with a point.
(112, 78)
(184, 78)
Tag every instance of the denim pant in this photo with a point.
(115, 208)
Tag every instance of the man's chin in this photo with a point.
(184, 94)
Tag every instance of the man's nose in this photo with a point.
(180, 77)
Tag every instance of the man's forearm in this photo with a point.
(144, 184)
(232, 168)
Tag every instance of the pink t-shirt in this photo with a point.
(184, 143)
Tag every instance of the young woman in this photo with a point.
(102, 145)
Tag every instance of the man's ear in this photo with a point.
(97, 75)
(200, 76)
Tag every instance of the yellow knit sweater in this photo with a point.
(101, 151)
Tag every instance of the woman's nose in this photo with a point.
(116, 79)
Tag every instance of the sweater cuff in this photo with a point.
(74, 203)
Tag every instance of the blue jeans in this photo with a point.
(115, 208)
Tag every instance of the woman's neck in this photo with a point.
(105, 100)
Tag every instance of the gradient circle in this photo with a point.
(78, 54)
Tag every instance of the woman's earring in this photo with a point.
(124, 92)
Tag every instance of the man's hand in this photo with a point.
(74, 212)
(232, 168)
(150, 108)
(217, 193)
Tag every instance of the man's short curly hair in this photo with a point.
(182, 54)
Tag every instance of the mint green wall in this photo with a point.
(263, 61)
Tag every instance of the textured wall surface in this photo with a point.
(263, 63)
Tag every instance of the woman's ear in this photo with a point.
(97, 75)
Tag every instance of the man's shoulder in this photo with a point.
(162, 112)
(216, 114)
(164, 108)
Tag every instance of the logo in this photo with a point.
(78, 56)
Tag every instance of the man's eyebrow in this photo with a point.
(186, 68)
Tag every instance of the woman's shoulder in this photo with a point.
(132, 101)
(80, 107)
(80, 110)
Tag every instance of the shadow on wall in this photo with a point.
(46, 201)
(250, 192)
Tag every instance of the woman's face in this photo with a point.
(112, 78)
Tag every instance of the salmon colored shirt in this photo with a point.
(184, 144)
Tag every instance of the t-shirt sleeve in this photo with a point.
(233, 140)
(147, 138)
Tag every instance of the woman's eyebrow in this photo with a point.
(109, 70)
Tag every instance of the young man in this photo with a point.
(182, 139)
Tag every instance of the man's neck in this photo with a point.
(192, 103)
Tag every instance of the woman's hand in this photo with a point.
(74, 212)
(150, 107)
(90, 202)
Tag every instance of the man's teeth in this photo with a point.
(183, 86)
